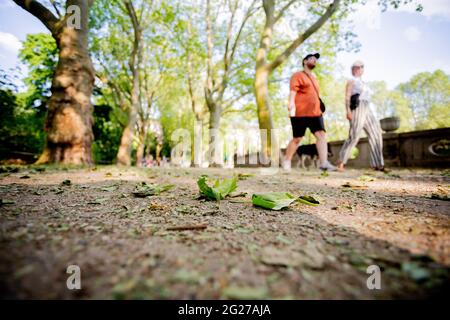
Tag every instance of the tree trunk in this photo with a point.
(140, 148)
(69, 118)
(264, 111)
(124, 152)
(262, 74)
(215, 114)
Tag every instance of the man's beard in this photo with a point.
(311, 65)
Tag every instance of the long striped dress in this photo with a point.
(363, 119)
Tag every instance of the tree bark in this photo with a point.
(69, 118)
(141, 147)
(216, 85)
(264, 110)
(262, 74)
(215, 113)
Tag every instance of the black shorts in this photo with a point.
(299, 125)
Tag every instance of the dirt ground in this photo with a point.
(51, 218)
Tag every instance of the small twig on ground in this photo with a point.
(189, 227)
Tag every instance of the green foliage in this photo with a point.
(428, 96)
(107, 133)
(40, 55)
(309, 200)
(20, 127)
(22, 114)
(421, 103)
(144, 189)
(219, 190)
(272, 200)
(354, 153)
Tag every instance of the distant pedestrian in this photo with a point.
(305, 110)
(361, 117)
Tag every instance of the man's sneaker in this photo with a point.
(328, 167)
(286, 164)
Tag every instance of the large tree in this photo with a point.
(136, 59)
(219, 74)
(124, 153)
(69, 117)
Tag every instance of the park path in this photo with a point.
(52, 218)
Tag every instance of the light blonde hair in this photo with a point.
(355, 64)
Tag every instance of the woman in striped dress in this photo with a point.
(361, 117)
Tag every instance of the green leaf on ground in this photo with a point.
(66, 182)
(219, 190)
(366, 178)
(98, 201)
(245, 293)
(244, 176)
(185, 210)
(272, 200)
(6, 201)
(109, 189)
(237, 194)
(144, 190)
(23, 271)
(392, 175)
(415, 271)
(437, 196)
(187, 276)
(353, 186)
(311, 201)
(446, 173)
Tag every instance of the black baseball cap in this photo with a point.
(317, 55)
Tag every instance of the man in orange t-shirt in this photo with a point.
(304, 108)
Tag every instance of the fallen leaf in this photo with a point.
(366, 178)
(186, 276)
(353, 186)
(66, 182)
(415, 271)
(145, 190)
(98, 201)
(109, 189)
(308, 200)
(245, 293)
(6, 201)
(219, 190)
(244, 176)
(23, 271)
(237, 194)
(436, 196)
(272, 200)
